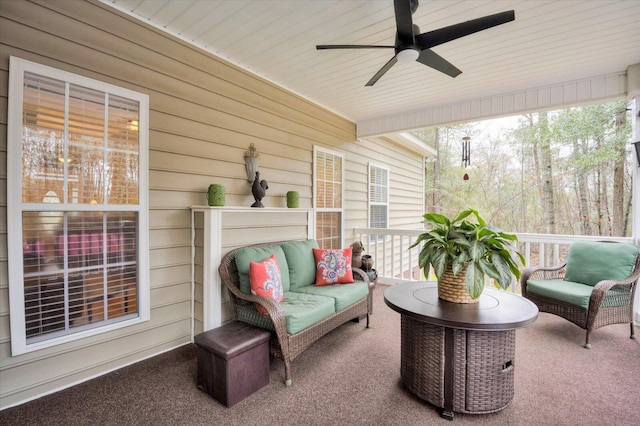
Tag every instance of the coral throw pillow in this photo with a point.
(333, 266)
(266, 281)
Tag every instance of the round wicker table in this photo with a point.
(459, 357)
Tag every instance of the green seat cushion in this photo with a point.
(565, 291)
(300, 311)
(590, 262)
(246, 255)
(302, 264)
(303, 310)
(345, 295)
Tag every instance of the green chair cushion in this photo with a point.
(303, 310)
(302, 264)
(345, 295)
(565, 291)
(246, 255)
(590, 262)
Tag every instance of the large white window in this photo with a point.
(378, 197)
(328, 197)
(77, 206)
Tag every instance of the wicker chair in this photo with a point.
(287, 346)
(610, 302)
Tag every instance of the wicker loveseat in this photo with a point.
(594, 287)
(308, 312)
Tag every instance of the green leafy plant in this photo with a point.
(480, 248)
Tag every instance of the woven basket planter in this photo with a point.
(453, 288)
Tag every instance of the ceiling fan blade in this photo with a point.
(437, 62)
(436, 37)
(404, 22)
(382, 71)
(351, 46)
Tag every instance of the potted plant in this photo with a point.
(463, 252)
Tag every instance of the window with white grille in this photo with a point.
(378, 197)
(328, 197)
(77, 212)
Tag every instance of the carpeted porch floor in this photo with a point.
(351, 377)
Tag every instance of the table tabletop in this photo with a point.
(495, 310)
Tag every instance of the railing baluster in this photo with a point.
(391, 256)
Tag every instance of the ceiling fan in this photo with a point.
(410, 45)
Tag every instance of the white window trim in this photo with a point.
(317, 149)
(370, 203)
(17, 68)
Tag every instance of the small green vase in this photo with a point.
(216, 195)
(293, 199)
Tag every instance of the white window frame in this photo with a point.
(15, 207)
(316, 150)
(377, 203)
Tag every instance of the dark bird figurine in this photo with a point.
(259, 190)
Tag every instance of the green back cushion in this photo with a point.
(302, 264)
(591, 262)
(246, 255)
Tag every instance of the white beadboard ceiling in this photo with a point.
(549, 42)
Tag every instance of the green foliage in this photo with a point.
(481, 248)
(507, 177)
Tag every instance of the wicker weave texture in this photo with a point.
(422, 359)
(483, 366)
(611, 301)
(453, 288)
(284, 345)
(490, 370)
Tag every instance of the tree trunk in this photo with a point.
(618, 182)
(618, 195)
(548, 215)
(582, 192)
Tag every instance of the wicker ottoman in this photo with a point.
(233, 362)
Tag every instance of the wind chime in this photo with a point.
(466, 154)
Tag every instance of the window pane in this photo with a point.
(123, 157)
(378, 185)
(42, 137)
(122, 178)
(328, 180)
(86, 175)
(328, 229)
(86, 117)
(39, 245)
(378, 217)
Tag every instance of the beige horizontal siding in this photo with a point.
(204, 113)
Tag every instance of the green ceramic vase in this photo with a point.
(216, 195)
(293, 199)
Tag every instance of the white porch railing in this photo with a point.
(394, 261)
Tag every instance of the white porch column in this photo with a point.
(633, 92)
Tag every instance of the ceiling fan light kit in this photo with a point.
(408, 55)
(411, 46)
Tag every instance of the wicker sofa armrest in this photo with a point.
(229, 274)
(361, 275)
